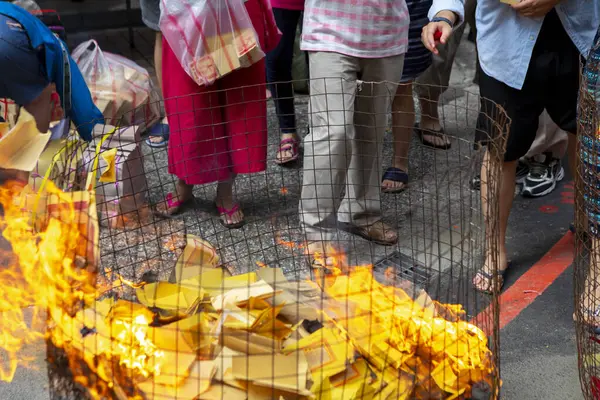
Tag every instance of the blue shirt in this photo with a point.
(75, 96)
(505, 39)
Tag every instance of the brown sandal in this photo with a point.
(378, 232)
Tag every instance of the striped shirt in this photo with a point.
(357, 28)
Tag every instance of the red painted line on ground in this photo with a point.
(531, 284)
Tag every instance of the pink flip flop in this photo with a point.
(174, 207)
(287, 145)
(224, 213)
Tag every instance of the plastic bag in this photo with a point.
(210, 38)
(121, 89)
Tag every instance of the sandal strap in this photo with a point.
(288, 142)
(171, 203)
(230, 212)
(395, 175)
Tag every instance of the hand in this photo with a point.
(435, 32)
(534, 8)
(57, 112)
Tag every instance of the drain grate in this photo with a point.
(405, 267)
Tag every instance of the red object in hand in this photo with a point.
(437, 35)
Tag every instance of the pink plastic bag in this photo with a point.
(210, 38)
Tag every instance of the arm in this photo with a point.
(444, 16)
(84, 113)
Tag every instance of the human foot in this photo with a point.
(178, 202)
(483, 281)
(288, 149)
(230, 213)
(394, 180)
(433, 137)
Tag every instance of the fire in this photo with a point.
(41, 273)
(139, 357)
(45, 273)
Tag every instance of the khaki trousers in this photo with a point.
(349, 106)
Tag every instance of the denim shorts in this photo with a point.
(22, 70)
(151, 13)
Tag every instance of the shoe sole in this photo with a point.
(559, 177)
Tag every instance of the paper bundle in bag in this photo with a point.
(121, 188)
(121, 89)
(226, 42)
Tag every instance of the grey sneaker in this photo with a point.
(544, 172)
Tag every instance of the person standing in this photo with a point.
(529, 53)
(416, 61)
(356, 53)
(279, 75)
(159, 133)
(220, 130)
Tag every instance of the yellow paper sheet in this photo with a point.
(109, 173)
(168, 296)
(231, 299)
(21, 147)
(196, 383)
(277, 371)
(197, 255)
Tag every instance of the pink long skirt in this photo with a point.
(217, 131)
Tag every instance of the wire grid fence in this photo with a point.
(188, 308)
(587, 250)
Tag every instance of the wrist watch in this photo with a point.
(442, 19)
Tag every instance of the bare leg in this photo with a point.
(506, 194)
(159, 77)
(403, 119)
(430, 119)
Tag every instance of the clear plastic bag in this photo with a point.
(210, 38)
(121, 89)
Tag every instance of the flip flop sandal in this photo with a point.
(175, 207)
(287, 145)
(489, 278)
(224, 213)
(395, 175)
(421, 133)
(363, 232)
(159, 130)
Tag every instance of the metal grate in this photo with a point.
(405, 268)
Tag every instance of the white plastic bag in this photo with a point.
(210, 38)
(121, 89)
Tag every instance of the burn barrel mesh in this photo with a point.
(587, 202)
(186, 308)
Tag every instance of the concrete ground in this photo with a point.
(440, 230)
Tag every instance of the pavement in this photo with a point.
(537, 339)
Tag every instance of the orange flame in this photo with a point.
(44, 272)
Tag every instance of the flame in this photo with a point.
(140, 357)
(45, 272)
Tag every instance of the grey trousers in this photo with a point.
(349, 106)
(434, 81)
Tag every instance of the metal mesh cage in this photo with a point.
(587, 299)
(182, 307)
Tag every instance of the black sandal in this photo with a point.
(486, 275)
(395, 175)
(421, 133)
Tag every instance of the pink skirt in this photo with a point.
(217, 131)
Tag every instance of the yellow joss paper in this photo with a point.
(355, 383)
(109, 172)
(168, 296)
(127, 311)
(232, 298)
(197, 255)
(197, 381)
(327, 353)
